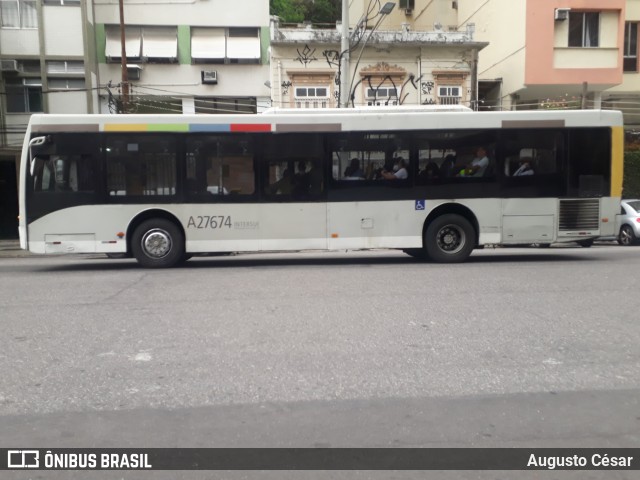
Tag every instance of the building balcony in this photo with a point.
(307, 33)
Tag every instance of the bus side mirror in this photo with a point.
(34, 143)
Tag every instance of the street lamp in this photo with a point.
(345, 48)
(387, 8)
(384, 11)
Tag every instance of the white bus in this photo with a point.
(162, 188)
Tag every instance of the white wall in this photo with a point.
(186, 12)
(67, 102)
(63, 31)
(233, 80)
(19, 42)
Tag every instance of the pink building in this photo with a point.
(547, 53)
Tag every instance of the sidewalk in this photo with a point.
(11, 249)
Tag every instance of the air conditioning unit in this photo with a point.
(407, 6)
(561, 14)
(133, 72)
(209, 77)
(9, 66)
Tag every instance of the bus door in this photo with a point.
(533, 166)
(293, 212)
(65, 172)
(371, 201)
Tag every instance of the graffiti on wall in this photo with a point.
(427, 87)
(332, 57)
(306, 56)
(285, 87)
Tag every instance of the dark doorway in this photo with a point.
(489, 95)
(8, 199)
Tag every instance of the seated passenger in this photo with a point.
(525, 167)
(399, 171)
(353, 171)
(478, 165)
(430, 172)
(284, 186)
(447, 169)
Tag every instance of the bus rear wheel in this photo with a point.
(158, 243)
(449, 238)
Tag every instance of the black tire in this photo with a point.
(542, 245)
(626, 236)
(449, 239)
(158, 243)
(585, 243)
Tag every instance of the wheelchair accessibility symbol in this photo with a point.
(420, 204)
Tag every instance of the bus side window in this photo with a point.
(141, 164)
(219, 165)
(43, 175)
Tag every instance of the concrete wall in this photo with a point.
(19, 42)
(210, 13)
(549, 60)
(63, 31)
(499, 22)
(423, 17)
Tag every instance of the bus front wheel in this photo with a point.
(449, 239)
(158, 243)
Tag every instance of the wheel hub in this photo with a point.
(156, 243)
(450, 239)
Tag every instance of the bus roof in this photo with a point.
(361, 119)
(367, 109)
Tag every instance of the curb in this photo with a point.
(11, 249)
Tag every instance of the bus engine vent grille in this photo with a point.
(579, 215)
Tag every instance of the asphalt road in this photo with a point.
(517, 348)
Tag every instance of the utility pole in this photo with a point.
(123, 62)
(585, 91)
(474, 79)
(344, 56)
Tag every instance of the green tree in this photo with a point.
(631, 182)
(314, 11)
(290, 11)
(324, 11)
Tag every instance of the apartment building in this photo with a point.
(626, 95)
(401, 53)
(64, 56)
(189, 56)
(46, 65)
(548, 53)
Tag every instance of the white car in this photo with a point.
(628, 222)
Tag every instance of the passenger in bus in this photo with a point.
(525, 167)
(314, 177)
(387, 167)
(478, 165)
(284, 186)
(302, 169)
(399, 171)
(301, 180)
(448, 167)
(430, 173)
(353, 171)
